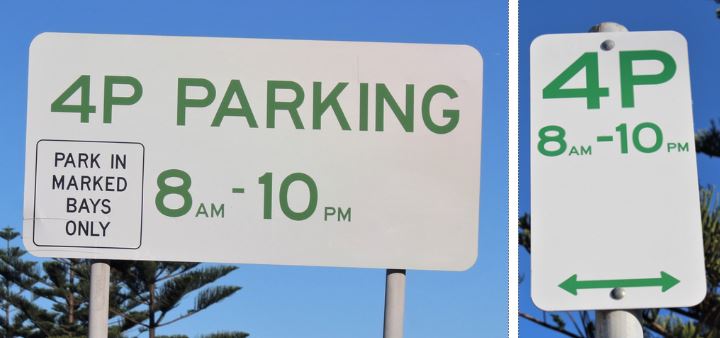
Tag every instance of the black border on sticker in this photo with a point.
(142, 193)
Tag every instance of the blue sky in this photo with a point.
(281, 301)
(694, 19)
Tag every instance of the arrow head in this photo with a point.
(667, 281)
(570, 285)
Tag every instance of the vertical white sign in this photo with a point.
(614, 185)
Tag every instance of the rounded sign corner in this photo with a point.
(540, 39)
(470, 49)
(30, 245)
(468, 261)
(538, 302)
(40, 38)
(679, 36)
(698, 293)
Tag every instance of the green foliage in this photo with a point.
(707, 141)
(59, 282)
(142, 294)
(13, 322)
(154, 290)
(62, 283)
(676, 327)
(559, 322)
(524, 229)
(226, 335)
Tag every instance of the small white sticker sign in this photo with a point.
(99, 181)
(614, 187)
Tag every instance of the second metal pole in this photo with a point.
(99, 299)
(394, 303)
(616, 323)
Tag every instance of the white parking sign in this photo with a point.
(253, 151)
(614, 187)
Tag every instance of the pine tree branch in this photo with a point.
(655, 327)
(170, 276)
(181, 270)
(205, 299)
(549, 326)
(188, 314)
(126, 317)
(685, 313)
(226, 335)
(32, 313)
(708, 141)
(572, 319)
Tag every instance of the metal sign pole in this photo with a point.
(394, 303)
(99, 299)
(616, 323)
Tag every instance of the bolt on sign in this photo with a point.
(614, 188)
(288, 152)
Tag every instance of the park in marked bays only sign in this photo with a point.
(614, 187)
(253, 151)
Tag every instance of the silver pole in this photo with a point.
(394, 303)
(616, 323)
(608, 27)
(99, 299)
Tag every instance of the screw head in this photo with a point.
(607, 45)
(617, 293)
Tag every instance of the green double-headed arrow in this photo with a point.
(572, 284)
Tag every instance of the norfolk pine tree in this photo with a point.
(65, 283)
(12, 321)
(62, 282)
(153, 289)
